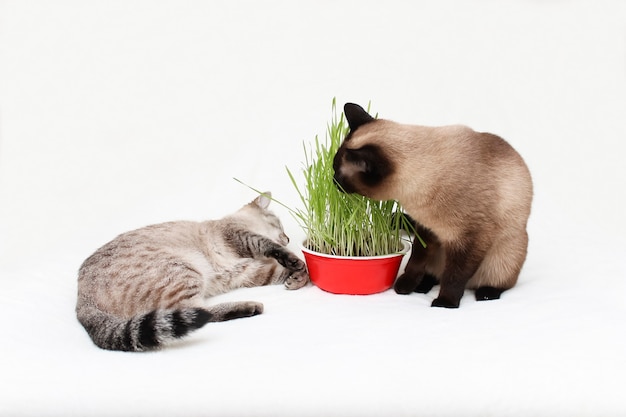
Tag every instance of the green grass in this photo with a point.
(337, 223)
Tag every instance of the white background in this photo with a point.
(119, 114)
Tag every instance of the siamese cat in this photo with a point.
(149, 286)
(469, 193)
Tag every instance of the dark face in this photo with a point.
(342, 180)
(361, 170)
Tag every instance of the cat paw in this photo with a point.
(488, 293)
(296, 264)
(405, 284)
(234, 310)
(249, 308)
(427, 284)
(443, 302)
(297, 280)
(289, 260)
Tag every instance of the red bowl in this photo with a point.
(356, 275)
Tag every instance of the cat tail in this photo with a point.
(143, 332)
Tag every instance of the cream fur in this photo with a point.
(457, 183)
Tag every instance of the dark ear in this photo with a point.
(356, 115)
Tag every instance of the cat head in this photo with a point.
(259, 219)
(363, 163)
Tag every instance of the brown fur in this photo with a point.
(470, 193)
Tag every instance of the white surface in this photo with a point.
(118, 114)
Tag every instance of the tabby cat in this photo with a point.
(469, 192)
(149, 286)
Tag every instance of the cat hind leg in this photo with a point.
(488, 293)
(501, 267)
(233, 310)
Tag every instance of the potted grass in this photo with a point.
(353, 245)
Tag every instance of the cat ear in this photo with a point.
(263, 200)
(356, 115)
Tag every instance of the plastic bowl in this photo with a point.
(355, 275)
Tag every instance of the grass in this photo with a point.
(335, 222)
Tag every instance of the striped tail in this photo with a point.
(144, 332)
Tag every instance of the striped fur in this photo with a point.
(149, 286)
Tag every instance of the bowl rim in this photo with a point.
(406, 246)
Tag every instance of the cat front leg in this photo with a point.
(296, 280)
(427, 284)
(298, 276)
(461, 264)
(286, 258)
(415, 277)
(413, 273)
(252, 245)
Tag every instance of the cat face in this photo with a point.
(262, 221)
(361, 164)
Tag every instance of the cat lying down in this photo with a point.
(149, 286)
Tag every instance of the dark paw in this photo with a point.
(293, 263)
(488, 293)
(442, 302)
(405, 284)
(288, 260)
(427, 284)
